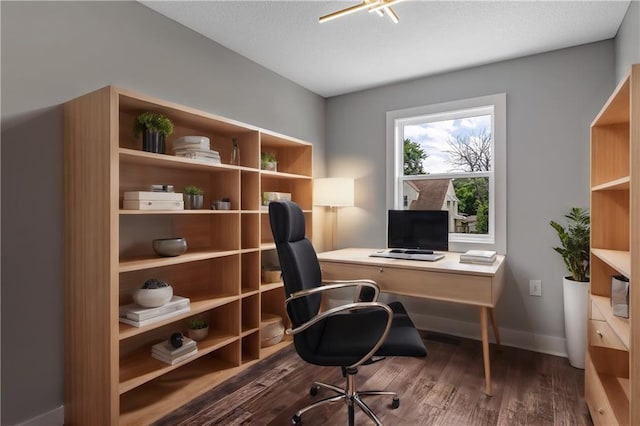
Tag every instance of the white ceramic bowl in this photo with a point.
(170, 246)
(152, 297)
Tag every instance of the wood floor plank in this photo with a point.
(445, 388)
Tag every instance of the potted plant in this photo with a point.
(268, 161)
(198, 329)
(574, 240)
(193, 198)
(154, 128)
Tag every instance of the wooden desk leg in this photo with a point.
(496, 333)
(485, 348)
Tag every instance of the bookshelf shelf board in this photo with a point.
(617, 259)
(268, 246)
(140, 367)
(248, 331)
(177, 212)
(620, 326)
(156, 262)
(282, 175)
(614, 185)
(246, 292)
(266, 211)
(265, 352)
(149, 402)
(132, 156)
(616, 109)
(198, 305)
(270, 286)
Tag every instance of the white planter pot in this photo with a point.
(576, 299)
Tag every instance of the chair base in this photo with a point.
(350, 396)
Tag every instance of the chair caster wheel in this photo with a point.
(395, 403)
(296, 420)
(314, 390)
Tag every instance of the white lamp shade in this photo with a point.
(333, 192)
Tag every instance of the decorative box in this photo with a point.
(620, 296)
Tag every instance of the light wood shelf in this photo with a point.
(156, 262)
(270, 286)
(110, 376)
(617, 259)
(612, 377)
(614, 185)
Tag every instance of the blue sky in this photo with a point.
(433, 137)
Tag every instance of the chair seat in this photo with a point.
(344, 340)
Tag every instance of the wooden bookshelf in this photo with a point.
(110, 376)
(612, 373)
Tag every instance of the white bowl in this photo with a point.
(152, 297)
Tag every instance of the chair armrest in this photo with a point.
(350, 307)
(335, 284)
(359, 283)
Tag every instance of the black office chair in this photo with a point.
(346, 336)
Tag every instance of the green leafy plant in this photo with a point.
(266, 157)
(154, 283)
(153, 122)
(198, 323)
(575, 243)
(193, 190)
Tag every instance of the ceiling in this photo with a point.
(363, 50)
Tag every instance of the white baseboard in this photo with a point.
(54, 417)
(508, 337)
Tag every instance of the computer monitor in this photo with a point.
(418, 229)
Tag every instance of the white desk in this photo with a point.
(446, 279)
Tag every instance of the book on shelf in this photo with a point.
(153, 205)
(153, 196)
(136, 312)
(199, 157)
(478, 256)
(148, 321)
(165, 348)
(172, 361)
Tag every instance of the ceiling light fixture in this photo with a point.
(378, 6)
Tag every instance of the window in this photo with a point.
(452, 156)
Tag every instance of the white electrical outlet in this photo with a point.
(535, 288)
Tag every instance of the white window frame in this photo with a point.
(495, 105)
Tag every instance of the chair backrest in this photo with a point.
(298, 260)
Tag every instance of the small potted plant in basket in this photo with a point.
(154, 128)
(198, 329)
(268, 161)
(193, 198)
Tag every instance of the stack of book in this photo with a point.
(195, 148)
(486, 257)
(165, 352)
(152, 200)
(138, 316)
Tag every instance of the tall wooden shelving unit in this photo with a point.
(612, 373)
(110, 376)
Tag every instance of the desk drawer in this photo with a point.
(600, 334)
(454, 287)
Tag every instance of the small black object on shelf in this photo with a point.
(176, 340)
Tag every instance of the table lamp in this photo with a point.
(334, 193)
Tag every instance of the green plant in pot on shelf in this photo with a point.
(198, 328)
(193, 197)
(268, 161)
(154, 128)
(574, 249)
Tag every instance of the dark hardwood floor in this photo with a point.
(446, 388)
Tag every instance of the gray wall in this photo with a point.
(628, 41)
(53, 52)
(551, 100)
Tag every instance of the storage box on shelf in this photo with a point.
(612, 372)
(110, 375)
